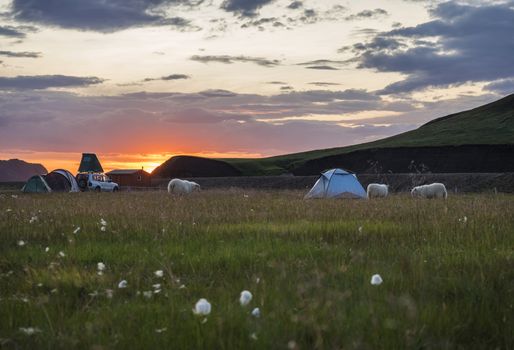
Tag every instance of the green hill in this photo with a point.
(491, 124)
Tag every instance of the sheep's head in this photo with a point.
(414, 192)
(196, 187)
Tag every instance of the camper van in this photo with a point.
(96, 182)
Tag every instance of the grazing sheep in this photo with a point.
(178, 186)
(435, 190)
(194, 186)
(377, 190)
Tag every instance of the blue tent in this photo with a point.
(337, 183)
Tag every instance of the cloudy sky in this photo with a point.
(138, 81)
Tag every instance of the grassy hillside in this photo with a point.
(446, 268)
(489, 124)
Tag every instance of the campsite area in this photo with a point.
(446, 267)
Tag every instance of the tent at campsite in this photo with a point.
(336, 183)
(59, 180)
(90, 164)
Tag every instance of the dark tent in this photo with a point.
(59, 180)
(90, 164)
(36, 184)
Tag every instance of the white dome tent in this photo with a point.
(337, 183)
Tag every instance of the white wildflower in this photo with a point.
(256, 312)
(21, 243)
(160, 330)
(47, 249)
(109, 293)
(158, 273)
(103, 228)
(103, 222)
(33, 219)
(360, 229)
(75, 231)
(147, 294)
(376, 280)
(61, 254)
(202, 307)
(122, 284)
(101, 268)
(253, 336)
(8, 210)
(14, 195)
(30, 330)
(182, 286)
(292, 345)
(156, 286)
(245, 298)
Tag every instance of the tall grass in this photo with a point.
(448, 270)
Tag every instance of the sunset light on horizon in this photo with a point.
(138, 82)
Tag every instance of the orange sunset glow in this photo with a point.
(71, 161)
(227, 78)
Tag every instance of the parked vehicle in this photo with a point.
(96, 182)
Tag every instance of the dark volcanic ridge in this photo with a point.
(18, 170)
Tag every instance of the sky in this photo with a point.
(138, 81)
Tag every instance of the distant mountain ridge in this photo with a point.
(190, 166)
(14, 170)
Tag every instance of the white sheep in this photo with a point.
(178, 186)
(435, 190)
(377, 190)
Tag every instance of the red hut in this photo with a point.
(130, 177)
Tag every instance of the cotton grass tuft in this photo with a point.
(376, 280)
(202, 307)
(245, 298)
(256, 312)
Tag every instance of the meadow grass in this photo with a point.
(447, 266)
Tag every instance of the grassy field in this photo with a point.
(447, 269)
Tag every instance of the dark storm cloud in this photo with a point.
(218, 120)
(99, 15)
(502, 87)
(217, 93)
(169, 77)
(273, 21)
(321, 62)
(25, 54)
(323, 83)
(40, 82)
(19, 32)
(246, 8)
(322, 67)
(367, 14)
(276, 83)
(462, 44)
(304, 16)
(295, 5)
(227, 59)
